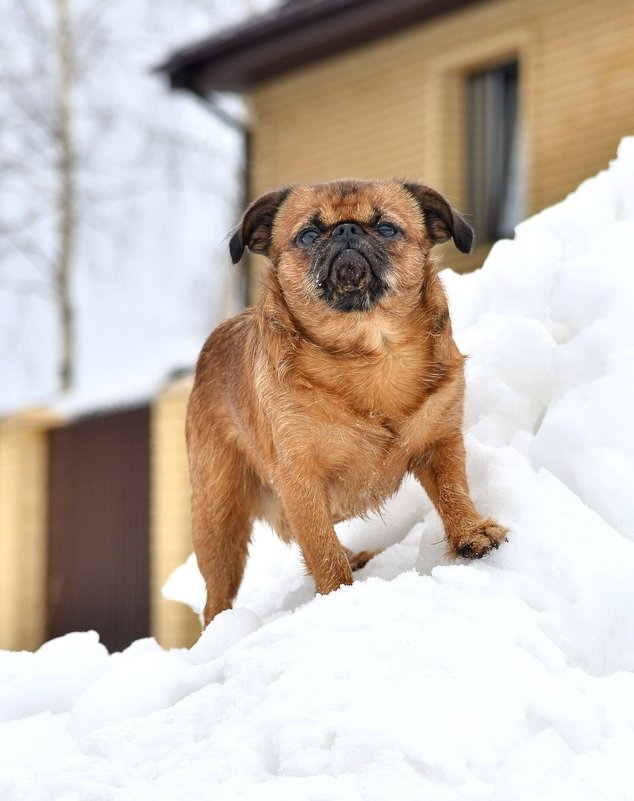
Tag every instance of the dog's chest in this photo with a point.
(363, 468)
(367, 419)
(363, 459)
(386, 388)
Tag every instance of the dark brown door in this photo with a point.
(98, 543)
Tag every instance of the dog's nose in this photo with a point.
(347, 230)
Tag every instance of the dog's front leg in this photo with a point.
(308, 515)
(441, 471)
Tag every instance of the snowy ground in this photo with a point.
(508, 679)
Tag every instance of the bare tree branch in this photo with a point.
(67, 194)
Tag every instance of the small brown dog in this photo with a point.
(310, 407)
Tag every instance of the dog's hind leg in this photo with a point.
(361, 558)
(221, 526)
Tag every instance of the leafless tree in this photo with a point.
(38, 155)
(66, 203)
(60, 119)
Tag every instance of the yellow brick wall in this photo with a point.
(395, 107)
(23, 531)
(173, 624)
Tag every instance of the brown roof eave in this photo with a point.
(291, 36)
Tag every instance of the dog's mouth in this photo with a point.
(350, 270)
(351, 280)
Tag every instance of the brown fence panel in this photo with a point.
(98, 537)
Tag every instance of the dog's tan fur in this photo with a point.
(304, 415)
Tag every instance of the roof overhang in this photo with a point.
(290, 36)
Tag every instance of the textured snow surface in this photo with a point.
(506, 679)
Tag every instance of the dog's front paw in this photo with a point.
(478, 539)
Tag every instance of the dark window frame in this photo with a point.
(494, 185)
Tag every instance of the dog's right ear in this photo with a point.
(254, 231)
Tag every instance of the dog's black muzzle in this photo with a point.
(350, 270)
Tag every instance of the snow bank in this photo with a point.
(510, 678)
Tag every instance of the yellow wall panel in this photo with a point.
(23, 499)
(173, 624)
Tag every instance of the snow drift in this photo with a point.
(510, 678)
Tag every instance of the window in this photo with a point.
(494, 180)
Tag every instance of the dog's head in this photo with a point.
(349, 244)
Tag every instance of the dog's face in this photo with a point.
(349, 245)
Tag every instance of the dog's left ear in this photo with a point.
(254, 231)
(443, 222)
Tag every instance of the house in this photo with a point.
(503, 105)
(94, 516)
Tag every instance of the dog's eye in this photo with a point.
(307, 236)
(386, 230)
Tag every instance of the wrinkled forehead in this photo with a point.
(324, 205)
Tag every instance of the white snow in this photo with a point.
(508, 679)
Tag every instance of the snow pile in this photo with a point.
(510, 678)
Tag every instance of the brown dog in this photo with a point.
(311, 407)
